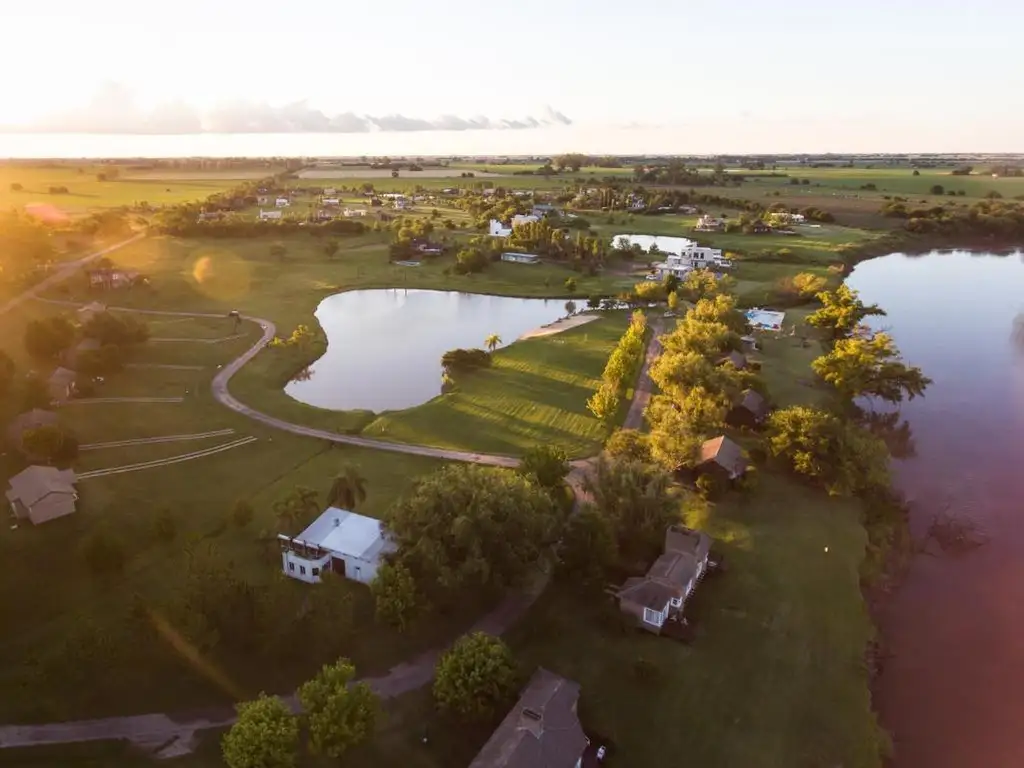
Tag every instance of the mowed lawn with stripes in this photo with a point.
(535, 393)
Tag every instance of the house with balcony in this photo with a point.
(338, 541)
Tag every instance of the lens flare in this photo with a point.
(221, 275)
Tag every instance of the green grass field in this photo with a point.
(86, 193)
(198, 496)
(775, 677)
(535, 393)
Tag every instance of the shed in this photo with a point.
(349, 544)
(42, 493)
(723, 456)
(542, 730)
(749, 411)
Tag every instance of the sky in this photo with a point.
(754, 73)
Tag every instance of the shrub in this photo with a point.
(461, 360)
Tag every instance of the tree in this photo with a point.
(673, 301)
(394, 594)
(870, 366)
(547, 463)
(47, 338)
(331, 248)
(297, 507)
(842, 456)
(492, 342)
(842, 312)
(604, 403)
(674, 444)
(16, 187)
(50, 443)
(635, 499)
(937, 189)
(475, 677)
(703, 284)
(6, 372)
(470, 527)
(278, 251)
(339, 714)
(570, 284)
(35, 393)
(111, 329)
(265, 735)
(570, 307)
(588, 547)
(348, 489)
(594, 302)
(629, 444)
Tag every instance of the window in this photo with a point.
(656, 618)
(291, 566)
(676, 602)
(316, 571)
(302, 570)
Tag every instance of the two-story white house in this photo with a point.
(341, 541)
(692, 257)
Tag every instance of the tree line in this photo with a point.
(621, 369)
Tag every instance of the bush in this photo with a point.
(461, 360)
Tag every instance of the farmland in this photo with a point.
(87, 193)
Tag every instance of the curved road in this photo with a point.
(174, 734)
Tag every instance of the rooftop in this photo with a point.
(345, 533)
(32, 484)
(542, 730)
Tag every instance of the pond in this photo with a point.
(665, 243)
(384, 347)
(950, 689)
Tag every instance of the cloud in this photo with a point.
(113, 109)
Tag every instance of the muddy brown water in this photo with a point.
(951, 689)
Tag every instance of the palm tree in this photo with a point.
(348, 489)
(492, 341)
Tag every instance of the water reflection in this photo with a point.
(384, 347)
(894, 431)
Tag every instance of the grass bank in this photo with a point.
(534, 393)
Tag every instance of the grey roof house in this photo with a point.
(541, 731)
(651, 599)
(723, 456)
(749, 411)
(738, 360)
(42, 494)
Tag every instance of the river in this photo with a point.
(951, 690)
